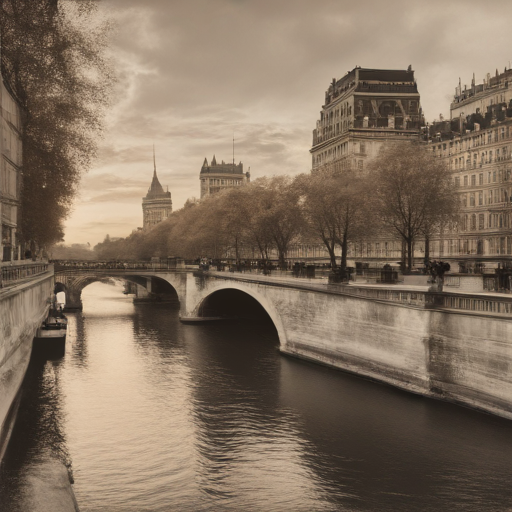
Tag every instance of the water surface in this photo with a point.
(153, 415)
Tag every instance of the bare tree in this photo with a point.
(413, 192)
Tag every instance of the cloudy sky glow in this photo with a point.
(194, 72)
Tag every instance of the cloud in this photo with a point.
(192, 74)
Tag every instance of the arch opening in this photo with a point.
(163, 291)
(236, 305)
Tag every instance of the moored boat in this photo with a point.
(52, 334)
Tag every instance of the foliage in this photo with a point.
(72, 252)
(413, 192)
(336, 209)
(237, 223)
(53, 59)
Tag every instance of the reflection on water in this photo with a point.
(153, 415)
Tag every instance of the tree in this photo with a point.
(413, 192)
(280, 212)
(336, 209)
(53, 59)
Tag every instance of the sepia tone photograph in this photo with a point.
(255, 256)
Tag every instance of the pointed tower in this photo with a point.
(157, 205)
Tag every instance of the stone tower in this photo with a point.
(157, 205)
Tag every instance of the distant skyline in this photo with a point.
(193, 73)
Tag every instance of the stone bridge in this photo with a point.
(453, 346)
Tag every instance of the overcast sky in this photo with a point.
(194, 72)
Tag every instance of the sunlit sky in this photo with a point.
(193, 73)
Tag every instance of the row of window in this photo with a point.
(489, 246)
(337, 152)
(494, 220)
(494, 196)
(492, 177)
(218, 181)
(482, 138)
(485, 158)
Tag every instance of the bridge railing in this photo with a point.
(10, 275)
(501, 306)
(61, 265)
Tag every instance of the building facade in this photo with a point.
(157, 205)
(215, 177)
(363, 110)
(477, 145)
(10, 172)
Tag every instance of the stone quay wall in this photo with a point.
(23, 307)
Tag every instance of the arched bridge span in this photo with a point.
(72, 280)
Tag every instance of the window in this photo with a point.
(473, 179)
(473, 221)
(480, 179)
(494, 176)
(465, 181)
(457, 181)
(363, 147)
(464, 200)
(480, 198)
(472, 199)
(481, 221)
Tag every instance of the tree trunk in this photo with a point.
(282, 260)
(332, 257)
(331, 247)
(344, 250)
(410, 244)
(427, 249)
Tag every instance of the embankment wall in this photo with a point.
(22, 310)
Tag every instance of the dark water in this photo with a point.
(153, 415)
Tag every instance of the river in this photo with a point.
(153, 415)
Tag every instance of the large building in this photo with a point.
(215, 177)
(10, 172)
(476, 143)
(157, 205)
(362, 110)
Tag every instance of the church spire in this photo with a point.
(154, 162)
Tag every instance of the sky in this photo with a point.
(194, 74)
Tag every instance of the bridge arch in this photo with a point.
(207, 305)
(73, 282)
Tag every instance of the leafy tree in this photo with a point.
(280, 212)
(413, 192)
(53, 58)
(258, 234)
(336, 209)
